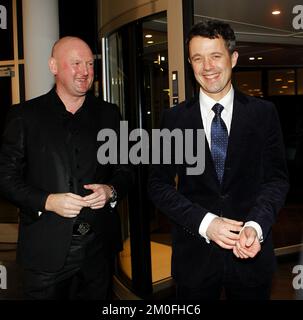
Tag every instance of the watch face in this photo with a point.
(114, 197)
(114, 194)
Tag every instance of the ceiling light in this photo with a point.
(162, 58)
(291, 81)
(276, 12)
(260, 58)
(278, 80)
(150, 42)
(251, 58)
(284, 87)
(148, 36)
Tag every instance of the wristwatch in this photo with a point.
(114, 196)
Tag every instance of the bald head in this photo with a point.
(66, 43)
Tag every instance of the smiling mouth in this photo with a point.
(211, 76)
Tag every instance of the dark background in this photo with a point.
(80, 21)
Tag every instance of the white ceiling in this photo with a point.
(252, 20)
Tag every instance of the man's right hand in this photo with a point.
(67, 205)
(222, 231)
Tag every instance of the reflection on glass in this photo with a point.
(249, 82)
(281, 82)
(114, 88)
(156, 95)
(300, 81)
(115, 79)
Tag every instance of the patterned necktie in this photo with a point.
(219, 140)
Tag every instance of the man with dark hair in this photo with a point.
(222, 219)
(69, 229)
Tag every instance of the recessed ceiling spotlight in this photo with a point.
(260, 58)
(150, 42)
(148, 36)
(276, 12)
(251, 58)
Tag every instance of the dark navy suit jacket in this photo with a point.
(254, 187)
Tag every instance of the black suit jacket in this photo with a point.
(254, 186)
(34, 162)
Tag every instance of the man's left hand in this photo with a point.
(101, 194)
(248, 245)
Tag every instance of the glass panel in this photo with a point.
(8, 212)
(6, 30)
(156, 89)
(300, 81)
(154, 62)
(281, 82)
(249, 82)
(115, 80)
(113, 87)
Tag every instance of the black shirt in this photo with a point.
(80, 137)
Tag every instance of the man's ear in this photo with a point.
(52, 64)
(234, 58)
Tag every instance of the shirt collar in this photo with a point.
(59, 105)
(207, 102)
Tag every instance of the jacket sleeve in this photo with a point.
(274, 186)
(13, 165)
(165, 196)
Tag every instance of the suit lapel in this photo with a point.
(194, 120)
(239, 124)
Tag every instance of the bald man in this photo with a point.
(69, 228)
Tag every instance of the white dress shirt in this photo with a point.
(206, 104)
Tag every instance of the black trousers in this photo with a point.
(224, 282)
(86, 275)
(215, 290)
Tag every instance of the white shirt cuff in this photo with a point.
(209, 217)
(257, 227)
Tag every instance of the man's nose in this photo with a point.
(207, 64)
(84, 69)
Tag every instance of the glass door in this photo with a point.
(135, 77)
(8, 212)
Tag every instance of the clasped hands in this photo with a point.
(226, 233)
(69, 205)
